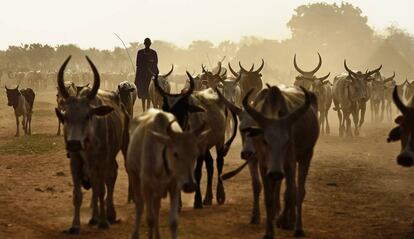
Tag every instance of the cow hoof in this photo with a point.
(86, 184)
(93, 222)
(255, 220)
(267, 237)
(198, 205)
(114, 221)
(72, 231)
(283, 224)
(220, 195)
(103, 225)
(208, 201)
(299, 233)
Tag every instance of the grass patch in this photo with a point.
(35, 144)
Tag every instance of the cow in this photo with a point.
(191, 109)
(305, 78)
(249, 79)
(377, 88)
(166, 86)
(409, 91)
(95, 127)
(160, 161)
(209, 79)
(279, 133)
(22, 102)
(321, 87)
(404, 132)
(350, 95)
(127, 92)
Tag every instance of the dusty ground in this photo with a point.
(355, 189)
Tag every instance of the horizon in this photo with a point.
(212, 24)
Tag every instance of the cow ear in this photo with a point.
(161, 138)
(195, 109)
(394, 135)
(399, 119)
(252, 131)
(60, 115)
(102, 110)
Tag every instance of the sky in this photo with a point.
(92, 23)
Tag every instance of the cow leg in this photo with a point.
(148, 103)
(362, 107)
(197, 174)
(347, 123)
(139, 205)
(99, 187)
(76, 172)
(269, 197)
(29, 123)
(174, 207)
(24, 124)
(17, 126)
(355, 116)
(58, 131)
(341, 125)
(94, 204)
(322, 121)
(287, 218)
(220, 193)
(143, 105)
(208, 199)
(257, 188)
(110, 184)
(157, 206)
(371, 104)
(303, 169)
(328, 129)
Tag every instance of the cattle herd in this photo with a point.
(165, 147)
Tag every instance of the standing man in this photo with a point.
(147, 65)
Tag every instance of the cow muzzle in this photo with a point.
(405, 160)
(275, 175)
(73, 145)
(189, 187)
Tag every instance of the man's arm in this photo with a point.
(156, 63)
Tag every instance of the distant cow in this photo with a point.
(155, 97)
(127, 92)
(404, 132)
(160, 161)
(249, 79)
(305, 78)
(350, 94)
(22, 102)
(95, 126)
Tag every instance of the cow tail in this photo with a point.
(227, 145)
(234, 172)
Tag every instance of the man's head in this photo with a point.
(147, 43)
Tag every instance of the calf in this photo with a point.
(22, 102)
(95, 127)
(127, 92)
(160, 161)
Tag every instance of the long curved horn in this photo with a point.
(324, 77)
(391, 77)
(169, 73)
(203, 69)
(218, 72)
(397, 101)
(170, 132)
(374, 71)
(237, 79)
(224, 74)
(60, 79)
(260, 68)
(96, 80)
(228, 104)
(256, 115)
(232, 71)
(350, 72)
(319, 64)
(294, 116)
(307, 72)
(242, 69)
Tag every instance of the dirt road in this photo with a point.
(355, 189)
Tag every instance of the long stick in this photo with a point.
(126, 49)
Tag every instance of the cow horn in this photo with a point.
(324, 77)
(232, 71)
(294, 116)
(312, 72)
(350, 72)
(391, 77)
(260, 68)
(169, 73)
(397, 101)
(242, 69)
(60, 79)
(237, 79)
(224, 74)
(203, 68)
(228, 104)
(268, 86)
(96, 80)
(373, 71)
(256, 115)
(218, 72)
